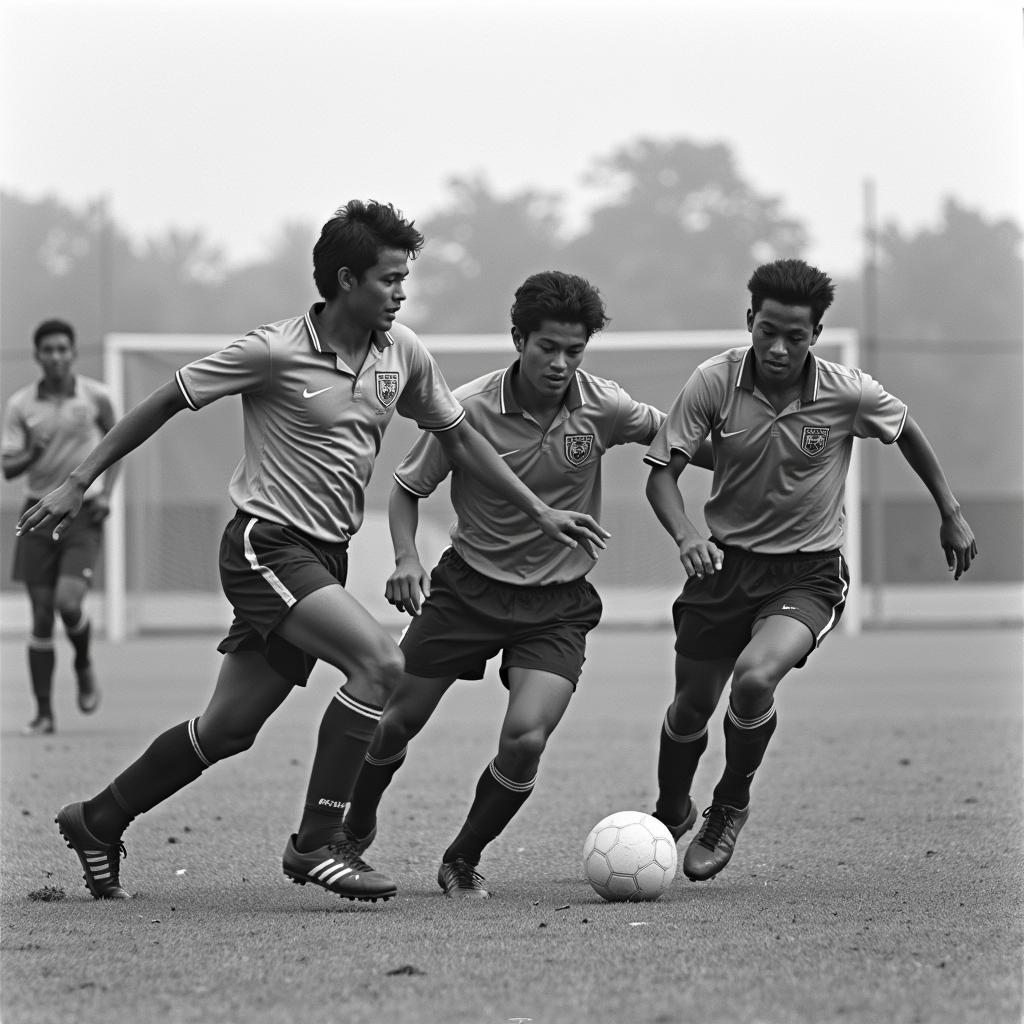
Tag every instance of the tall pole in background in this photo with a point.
(875, 574)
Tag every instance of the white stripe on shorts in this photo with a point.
(268, 574)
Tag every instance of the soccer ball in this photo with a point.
(629, 856)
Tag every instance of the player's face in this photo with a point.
(375, 300)
(781, 336)
(548, 358)
(55, 354)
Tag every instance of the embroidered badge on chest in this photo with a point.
(578, 448)
(812, 442)
(387, 386)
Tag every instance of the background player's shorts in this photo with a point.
(265, 570)
(469, 618)
(39, 559)
(713, 617)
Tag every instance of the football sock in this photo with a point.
(345, 732)
(746, 740)
(495, 804)
(169, 763)
(80, 635)
(374, 777)
(677, 762)
(41, 660)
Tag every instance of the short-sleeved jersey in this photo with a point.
(312, 425)
(561, 465)
(779, 476)
(70, 425)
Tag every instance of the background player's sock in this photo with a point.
(41, 660)
(170, 762)
(374, 777)
(746, 740)
(345, 732)
(678, 756)
(495, 804)
(80, 635)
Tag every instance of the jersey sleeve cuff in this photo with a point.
(411, 490)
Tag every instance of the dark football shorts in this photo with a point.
(713, 617)
(265, 570)
(469, 618)
(39, 560)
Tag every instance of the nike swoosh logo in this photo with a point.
(733, 433)
(789, 608)
(502, 455)
(306, 393)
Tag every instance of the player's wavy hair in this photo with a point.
(48, 327)
(564, 298)
(793, 283)
(353, 238)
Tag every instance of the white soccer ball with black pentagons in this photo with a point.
(629, 856)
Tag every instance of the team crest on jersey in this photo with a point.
(813, 440)
(578, 448)
(387, 386)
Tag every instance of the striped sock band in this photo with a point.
(383, 762)
(358, 706)
(748, 724)
(194, 740)
(689, 738)
(40, 643)
(510, 784)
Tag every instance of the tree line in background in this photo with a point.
(670, 241)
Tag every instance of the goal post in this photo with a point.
(170, 504)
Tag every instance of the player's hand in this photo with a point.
(408, 586)
(99, 508)
(55, 511)
(574, 528)
(700, 557)
(957, 540)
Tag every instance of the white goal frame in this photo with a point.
(117, 346)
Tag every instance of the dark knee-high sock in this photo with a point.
(345, 732)
(678, 757)
(41, 659)
(80, 635)
(170, 763)
(746, 740)
(374, 777)
(495, 804)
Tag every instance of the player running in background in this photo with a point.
(317, 393)
(502, 586)
(770, 583)
(49, 427)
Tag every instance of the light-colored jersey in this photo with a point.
(779, 476)
(561, 465)
(71, 425)
(312, 425)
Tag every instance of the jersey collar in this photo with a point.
(809, 388)
(509, 405)
(43, 392)
(380, 339)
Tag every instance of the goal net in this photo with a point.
(171, 503)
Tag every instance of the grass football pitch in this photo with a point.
(879, 878)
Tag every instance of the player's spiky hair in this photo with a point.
(794, 283)
(554, 295)
(48, 327)
(353, 238)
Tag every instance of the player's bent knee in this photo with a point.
(753, 689)
(526, 747)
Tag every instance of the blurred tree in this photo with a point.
(679, 235)
(479, 249)
(963, 280)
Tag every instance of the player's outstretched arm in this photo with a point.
(699, 556)
(467, 449)
(409, 580)
(955, 534)
(127, 434)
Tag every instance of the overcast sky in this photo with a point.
(234, 116)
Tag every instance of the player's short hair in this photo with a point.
(353, 238)
(48, 327)
(794, 283)
(554, 295)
